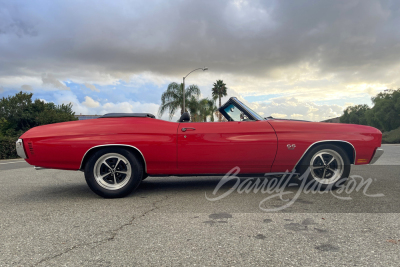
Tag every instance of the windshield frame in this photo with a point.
(242, 107)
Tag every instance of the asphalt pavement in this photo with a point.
(11, 164)
(51, 218)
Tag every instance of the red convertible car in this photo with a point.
(118, 150)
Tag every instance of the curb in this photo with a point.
(17, 159)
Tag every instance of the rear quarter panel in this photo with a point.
(365, 140)
(63, 145)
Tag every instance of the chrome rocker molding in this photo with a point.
(325, 141)
(378, 153)
(144, 160)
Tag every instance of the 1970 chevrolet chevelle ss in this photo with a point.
(118, 150)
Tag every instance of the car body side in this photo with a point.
(359, 141)
(68, 145)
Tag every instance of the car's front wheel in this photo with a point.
(113, 172)
(327, 165)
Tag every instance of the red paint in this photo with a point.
(213, 147)
(365, 139)
(217, 147)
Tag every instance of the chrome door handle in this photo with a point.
(187, 129)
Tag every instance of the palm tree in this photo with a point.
(202, 109)
(194, 108)
(207, 109)
(218, 91)
(172, 99)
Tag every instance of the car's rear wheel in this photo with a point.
(328, 166)
(113, 172)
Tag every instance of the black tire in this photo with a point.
(325, 182)
(109, 187)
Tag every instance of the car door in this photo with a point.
(217, 147)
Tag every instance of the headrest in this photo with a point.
(185, 117)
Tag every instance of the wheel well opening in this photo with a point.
(134, 151)
(348, 148)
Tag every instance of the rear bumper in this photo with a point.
(20, 149)
(377, 155)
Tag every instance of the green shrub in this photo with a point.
(7, 147)
(384, 115)
(391, 137)
(19, 113)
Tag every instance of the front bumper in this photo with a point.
(377, 155)
(20, 149)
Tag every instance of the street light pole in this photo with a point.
(204, 69)
(183, 88)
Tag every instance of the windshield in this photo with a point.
(235, 113)
(234, 110)
(252, 112)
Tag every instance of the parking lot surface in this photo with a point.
(51, 218)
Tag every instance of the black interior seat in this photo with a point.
(185, 117)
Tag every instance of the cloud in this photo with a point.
(92, 87)
(257, 38)
(310, 51)
(129, 107)
(50, 80)
(279, 116)
(14, 25)
(291, 107)
(296, 116)
(90, 103)
(280, 107)
(26, 87)
(91, 107)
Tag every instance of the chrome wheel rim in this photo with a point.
(112, 171)
(326, 166)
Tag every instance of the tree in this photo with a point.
(219, 90)
(201, 110)
(55, 113)
(193, 105)
(18, 113)
(355, 114)
(385, 115)
(207, 109)
(172, 99)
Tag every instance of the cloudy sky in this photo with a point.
(298, 59)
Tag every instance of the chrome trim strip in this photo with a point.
(323, 141)
(20, 148)
(378, 153)
(145, 164)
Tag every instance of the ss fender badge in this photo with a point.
(291, 146)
